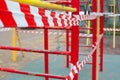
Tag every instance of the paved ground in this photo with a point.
(34, 62)
(57, 66)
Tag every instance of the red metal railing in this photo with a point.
(31, 74)
(36, 51)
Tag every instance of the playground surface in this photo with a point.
(111, 69)
(33, 62)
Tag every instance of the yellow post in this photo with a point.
(88, 32)
(98, 32)
(114, 26)
(19, 41)
(44, 4)
(13, 44)
(98, 50)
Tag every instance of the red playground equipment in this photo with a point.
(33, 14)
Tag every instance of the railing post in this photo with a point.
(46, 56)
(74, 46)
(67, 48)
(101, 32)
(14, 56)
(94, 9)
(75, 37)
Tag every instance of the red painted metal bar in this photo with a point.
(76, 4)
(67, 47)
(36, 51)
(101, 32)
(74, 46)
(31, 74)
(46, 56)
(67, 44)
(75, 37)
(94, 9)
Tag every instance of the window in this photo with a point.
(111, 8)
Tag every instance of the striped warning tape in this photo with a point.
(5, 29)
(41, 32)
(26, 31)
(79, 65)
(111, 29)
(20, 15)
(54, 33)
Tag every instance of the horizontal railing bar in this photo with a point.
(44, 4)
(36, 51)
(10, 70)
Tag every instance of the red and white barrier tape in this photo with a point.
(19, 15)
(79, 65)
(41, 32)
(25, 31)
(111, 29)
(54, 33)
(5, 29)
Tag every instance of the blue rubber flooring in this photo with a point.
(57, 67)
